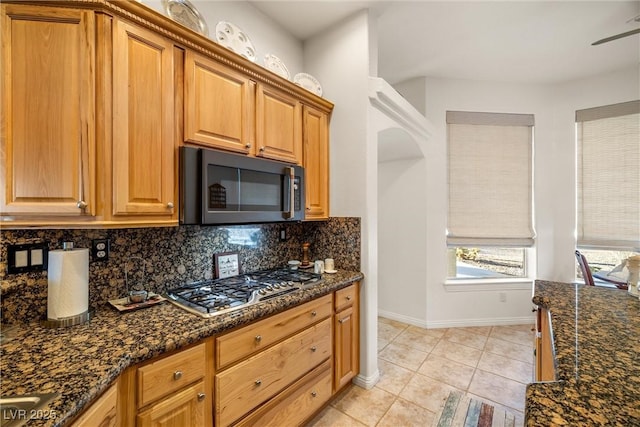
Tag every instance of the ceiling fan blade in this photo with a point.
(617, 36)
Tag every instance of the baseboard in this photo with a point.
(367, 382)
(402, 318)
(497, 321)
(500, 321)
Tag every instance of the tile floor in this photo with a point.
(419, 367)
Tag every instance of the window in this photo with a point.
(608, 177)
(490, 222)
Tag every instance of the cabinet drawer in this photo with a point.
(245, 386)
(296, 404)
(169, 374)
(241, 343)
(346, 296)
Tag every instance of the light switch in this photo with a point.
(36, 256)
(27, 257)
(22, 258)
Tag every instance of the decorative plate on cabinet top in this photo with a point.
(234, 39)
(183, 12)
(273, 63)
(308, 82)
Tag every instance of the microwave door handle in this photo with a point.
(291, 176)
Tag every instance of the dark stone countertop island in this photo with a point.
(596, 334)
(80, 362)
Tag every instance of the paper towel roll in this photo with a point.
(68, 279)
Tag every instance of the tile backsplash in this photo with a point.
(172, 256)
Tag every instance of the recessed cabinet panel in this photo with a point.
(279, 126)
(316, 163)
(143, 120)
(48, 96)
(219, 105)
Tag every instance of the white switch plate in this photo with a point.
(22, 258)
(36, 256)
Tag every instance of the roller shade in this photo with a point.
(490, 179)
(608, 176)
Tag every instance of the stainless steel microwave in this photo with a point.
(224, 188)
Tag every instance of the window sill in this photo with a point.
(489, 284)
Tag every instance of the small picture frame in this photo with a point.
(227, 264)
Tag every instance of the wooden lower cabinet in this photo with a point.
(171, 390)
(243, 387)
(187, 407)
(278, 371)
(544, 347)
(103, 412)
(346, 336)
(294, 405)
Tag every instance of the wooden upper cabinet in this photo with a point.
(316, 163)
(219, 105)
(48, 94)
(278, 125)
(144, 144)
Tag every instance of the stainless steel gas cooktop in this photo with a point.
(214, 297)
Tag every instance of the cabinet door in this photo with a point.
(144, 173)
(102, 413)
(48, 95)
(346, 346)
(316, 162)
(219, 105)
(279, 125)
(545, 350)
(183, 408)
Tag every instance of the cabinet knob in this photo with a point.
(258, 338)
(341, 321)
(258, 382)
(261, 148)
(247, 146)
(314, 394)
(177, 375)
(308, 208)
(314, 313)
(81, 204)
(170, 205)
(313, 349)
(201, 397)
(348, 297)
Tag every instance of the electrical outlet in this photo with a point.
(283, 234)
(100, 249)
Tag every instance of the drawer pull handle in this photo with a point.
(177, 375)
(341, 321)
(258, 338)
(314, 394)
(201, 397)
(314, 348)
(258, 382)
(348, 297)
(314, 313)
(170, 205)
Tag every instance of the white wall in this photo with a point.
(402, 240)
(266, 36)
(554, 168)
(339, 59)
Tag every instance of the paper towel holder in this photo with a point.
(64, 322)
(68, 321)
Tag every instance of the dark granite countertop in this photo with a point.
(596, 335)
(80, 362)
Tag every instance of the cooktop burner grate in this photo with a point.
(213, 297)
